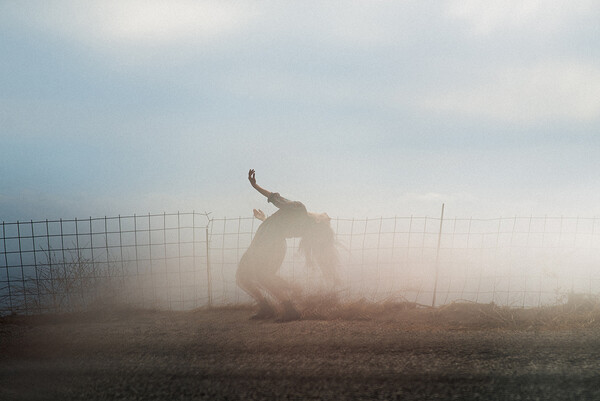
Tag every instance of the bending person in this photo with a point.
(258, 267)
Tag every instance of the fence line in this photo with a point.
(188, 260)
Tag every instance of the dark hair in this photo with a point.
(318, 245)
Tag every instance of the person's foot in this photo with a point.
(265, 311)
(290, 313)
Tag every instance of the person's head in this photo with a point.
(318, 245)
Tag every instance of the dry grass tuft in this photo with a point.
(331, 306)
(482, 316)
(457, 315)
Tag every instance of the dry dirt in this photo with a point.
(454, 353)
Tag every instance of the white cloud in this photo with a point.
(167, 21)
(484, 17)
(553, 90)
(134, 22)
(347, 23)
(361, 23)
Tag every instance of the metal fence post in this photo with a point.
(24, 286)
(8, 283)
(35, 266)
(437, 258)
(208, 279)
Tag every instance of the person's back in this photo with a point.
(287, 222)
(258, 267)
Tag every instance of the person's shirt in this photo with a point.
(284, 204)
(288, 222)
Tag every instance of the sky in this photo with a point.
(356, 108)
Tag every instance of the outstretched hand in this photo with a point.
(252, 177)
(259, 214)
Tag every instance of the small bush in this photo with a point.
(72, 284)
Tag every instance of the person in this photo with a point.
(259, 265)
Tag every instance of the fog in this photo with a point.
(371, 112)
(165, 261)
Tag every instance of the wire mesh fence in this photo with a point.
(187, 260)
(154, 260)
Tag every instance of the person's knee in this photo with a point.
(244, 275)
(264, 275)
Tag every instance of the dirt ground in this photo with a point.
(453, 353)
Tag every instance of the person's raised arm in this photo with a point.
(252, 179)
(273, 197)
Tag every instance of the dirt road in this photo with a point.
(221, 354)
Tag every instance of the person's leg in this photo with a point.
(247, 281)
(275, 285)
(280, 289)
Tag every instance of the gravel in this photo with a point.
(222, 355)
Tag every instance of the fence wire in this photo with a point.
(188, 260)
